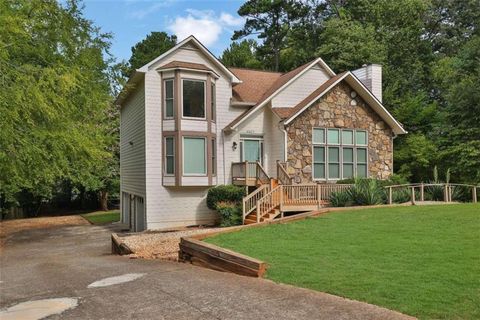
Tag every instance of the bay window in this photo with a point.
(169, 156)
(339, 153)
(193, 99)
(194, 156)
(168, 101)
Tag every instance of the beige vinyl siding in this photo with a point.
(301, 88)
(132, 143)
(371, 77)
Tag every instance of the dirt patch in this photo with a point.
(9, 227)
(158, 245)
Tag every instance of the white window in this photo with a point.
(339, 153)
(193, 99)
(169, 156)
(169, 108)
(194, 156)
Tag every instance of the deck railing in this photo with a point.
(247, 171)
(447, 190)
(250, 201)
(282, 173)
(299, 195)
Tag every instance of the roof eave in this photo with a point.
(136, 76)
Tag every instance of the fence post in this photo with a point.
(281, 200)
(450, 191)
(413, 195)
(474, 194)
(318, 195)
(422, 192)
(445, 193)
(243, 211)
(390, 195)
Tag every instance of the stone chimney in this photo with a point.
(371, 76)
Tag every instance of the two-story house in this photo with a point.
(189, 123)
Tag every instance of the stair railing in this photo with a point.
(269, 202)
(249, 202)
(262, 175)
(282, 174)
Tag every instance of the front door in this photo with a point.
(252, 150)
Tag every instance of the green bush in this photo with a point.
(224, 193)
(401, 195)
(230, 213)
(367, 192)
(340, 199)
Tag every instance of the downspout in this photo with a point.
(285, 140)
(224, 161)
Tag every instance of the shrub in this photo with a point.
(230, 213)
(340, 199)
(401, 195)
(366, 192)
(224, 193)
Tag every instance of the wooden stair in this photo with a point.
(252, 217)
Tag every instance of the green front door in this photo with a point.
(251, 150)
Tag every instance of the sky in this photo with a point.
(210, 21)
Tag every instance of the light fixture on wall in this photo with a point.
(234, 146)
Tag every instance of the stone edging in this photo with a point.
(119, 247)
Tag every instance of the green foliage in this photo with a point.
(102, 217)
(390, 257)
(340, 199)
(224, 193)
(415, 155)
(366, 192)
(270, 21)
(241, 55)
(155, 44)
(55, 99)
(230, 213)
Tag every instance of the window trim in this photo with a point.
(204, 99)
(341, 146)
(213, 102)
(165, 99)
(205, 157)
(165, 156)
(214, 157)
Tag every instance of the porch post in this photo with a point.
(257, 212)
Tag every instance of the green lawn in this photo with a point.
(102, 217)
(423, 261)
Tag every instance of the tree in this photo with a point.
(458, 78)
(155, 44)
(241, 55)
(54, 98)
(270, 21)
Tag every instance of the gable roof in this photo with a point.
(281, 83)
(254, 84)
(202, 48)
(181, 64)
(362, 91)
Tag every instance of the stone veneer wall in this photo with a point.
(336, 110)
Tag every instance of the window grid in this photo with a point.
(169, 156)
(340, 153)
(169, 103)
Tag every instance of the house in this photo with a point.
(189, 123)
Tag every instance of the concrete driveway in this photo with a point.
(62, 262)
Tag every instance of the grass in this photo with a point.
(102, 217)
(423, 260)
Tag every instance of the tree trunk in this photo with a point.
(104, 200)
